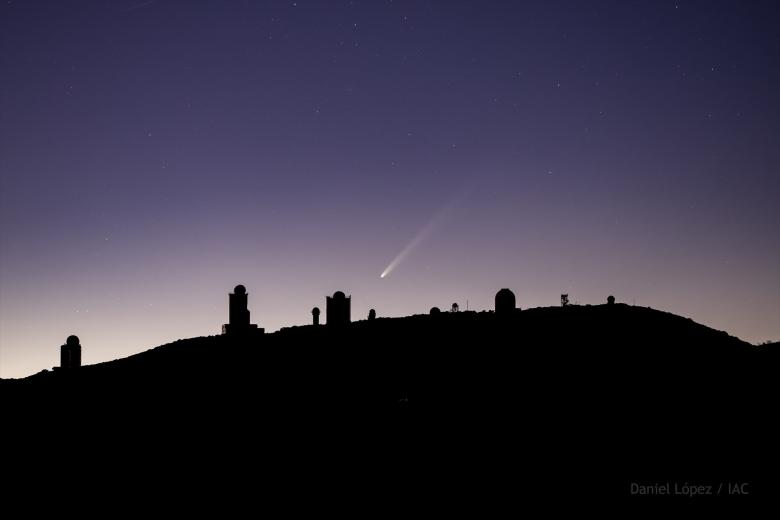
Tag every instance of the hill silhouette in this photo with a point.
(552, 401)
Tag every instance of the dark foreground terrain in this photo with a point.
(463, 409)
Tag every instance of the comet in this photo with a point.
(438, 218)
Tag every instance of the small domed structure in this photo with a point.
(371, 314)
(72, 341)
(505, 302)
(610, 300)
(338, 295)
(315, 314)
(239, 289)
(435, 310)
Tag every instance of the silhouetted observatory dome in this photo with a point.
(338, 295)
(72, 341)
(435, 310)
(505, 301)
(240, 289)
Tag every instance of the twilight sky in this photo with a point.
(153, 154)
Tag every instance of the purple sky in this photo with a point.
(155, 154)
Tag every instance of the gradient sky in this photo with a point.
(153, 154)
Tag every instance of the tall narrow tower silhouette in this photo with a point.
(238, 313)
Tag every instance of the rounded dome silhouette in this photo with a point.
(505, 301)
(435, 310)
(338, 295)
(240, 289)
(72, 340)
(315, 310)
(610, 300)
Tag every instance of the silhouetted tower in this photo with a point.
(315, 316)
(238, 313)
(564, 300)
(70, 353)
(610, 300)
(454, 308)
(239, 303)
(371, 315)
(505, 302)
(337, 309)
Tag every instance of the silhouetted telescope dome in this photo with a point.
(505, 301)
(505, 293)
(435, 310)
(338, 295)
(316, 310)
(240, 289)
(72, 341)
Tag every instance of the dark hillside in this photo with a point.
(566, 393)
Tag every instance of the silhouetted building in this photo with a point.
(337, 309)
(505, 302)
(610, 300)
(238, 313)
(371, 315)
(564, 300)
(70, 353)
(435, 310)
(315, 316)
(454, 308)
